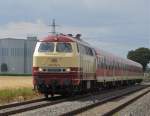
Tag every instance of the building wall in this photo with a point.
(29, 47)
(17, 54)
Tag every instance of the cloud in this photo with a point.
(77, 12)
(39, 28)
(23, 29)
(115, 25)
(113, 39)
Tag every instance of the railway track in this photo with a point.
(84, 103)
(114, 96)
(20, 103)
(121, 106)
(92, 100)
(15, 108)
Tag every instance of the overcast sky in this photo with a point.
(116, 26)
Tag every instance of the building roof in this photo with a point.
(28, 38)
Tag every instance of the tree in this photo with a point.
(140, 55)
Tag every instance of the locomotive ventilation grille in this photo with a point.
(54, 70)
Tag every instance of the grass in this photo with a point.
(16, 95)
(16, 89)
(13, 74)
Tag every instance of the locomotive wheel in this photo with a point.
(46, 95)
(52, 94)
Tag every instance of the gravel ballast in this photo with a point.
(139, 108)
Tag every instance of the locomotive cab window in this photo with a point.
(46, 47)
(64, 47)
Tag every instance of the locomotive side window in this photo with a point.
(46, 47)
(82, 49)
(85, 50)
(63, 47)
(78, 48)
(89, 51)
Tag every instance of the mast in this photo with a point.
(53, 25)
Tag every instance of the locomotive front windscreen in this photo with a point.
(61, 47)
(46, 47)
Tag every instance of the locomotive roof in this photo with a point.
(66, 38)
(62, 38)
(57, 38)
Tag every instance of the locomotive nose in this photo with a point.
(60, 60)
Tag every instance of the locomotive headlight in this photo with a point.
(40, 69)
(67, 69)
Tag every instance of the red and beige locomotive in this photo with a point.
(65, 64)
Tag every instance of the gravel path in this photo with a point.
(58, 109)
(104, 108)
(139, 108)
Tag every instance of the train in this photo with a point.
(63, 64)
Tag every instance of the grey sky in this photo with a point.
(114, 25)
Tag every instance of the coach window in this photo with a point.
(115, 65)
(111, 66)
(46, 47)
(102, 63)
(98, 61)
(105, 66)
(63, 47)
(105, 63)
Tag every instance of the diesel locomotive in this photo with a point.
(65, 64)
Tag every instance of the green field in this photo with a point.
(16, 95)
(16, 89)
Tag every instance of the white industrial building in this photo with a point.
(16, 55)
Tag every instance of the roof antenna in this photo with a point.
(53, 25)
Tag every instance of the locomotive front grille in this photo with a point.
(54, 70)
